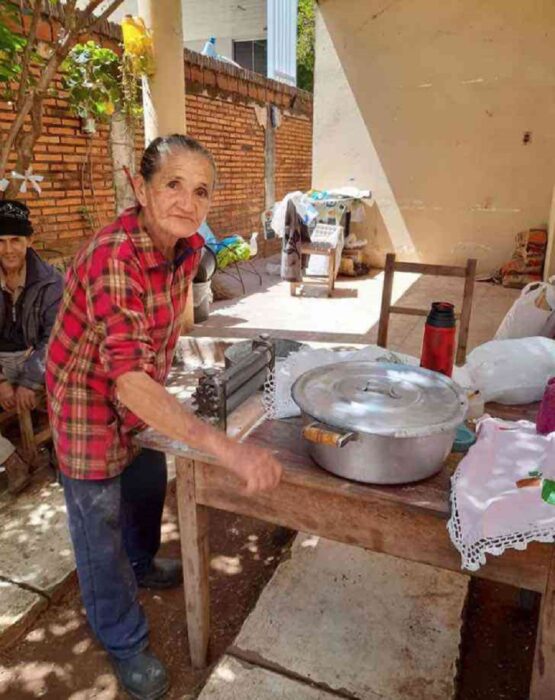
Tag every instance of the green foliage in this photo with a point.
(92, 81)
(98, 83)
(11, 48)
(305, 45)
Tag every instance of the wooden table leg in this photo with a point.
(193, 526)
(543, 672)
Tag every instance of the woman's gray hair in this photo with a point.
(164, 145)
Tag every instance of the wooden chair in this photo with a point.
(31, 441)
(328, 280)
(324, 240)
(468, 273)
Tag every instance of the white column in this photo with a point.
(164, 93)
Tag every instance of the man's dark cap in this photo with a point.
(14, 218)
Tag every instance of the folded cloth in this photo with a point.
(491, 512)
(296, 233)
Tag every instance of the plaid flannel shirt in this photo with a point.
(121, 312)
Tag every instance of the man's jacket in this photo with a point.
(41, 298)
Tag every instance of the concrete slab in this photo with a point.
(351, 315)
(19, 608)
(237, 680)
(359, 623)
(35, 548)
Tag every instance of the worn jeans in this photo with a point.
(115, 529)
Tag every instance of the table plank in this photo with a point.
(543, 672)
(363, 517)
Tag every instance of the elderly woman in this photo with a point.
(111, 350)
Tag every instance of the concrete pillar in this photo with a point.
(122, 142)
(163, 98)
(164, 93)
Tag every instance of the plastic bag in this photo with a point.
(530, 315)
(512, 371)
(280, 209)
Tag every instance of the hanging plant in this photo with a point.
(92, 81)
(99, 83)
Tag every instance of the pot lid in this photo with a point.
(381, 399)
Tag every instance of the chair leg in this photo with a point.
(27, 436)
(466, 310)
(386, 299)
(331, 272)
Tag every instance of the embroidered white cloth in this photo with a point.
(489, 512)
(277, 398)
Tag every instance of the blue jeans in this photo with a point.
(115, 529)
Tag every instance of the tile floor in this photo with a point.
(352, 314)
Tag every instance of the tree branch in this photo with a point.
(30, 101)
(61, 51)
(85, 13)
(104, 15)
(26, 59)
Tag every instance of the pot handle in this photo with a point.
(316, 432)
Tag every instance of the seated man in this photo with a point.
(30, 292)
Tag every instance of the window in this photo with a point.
(251, 55)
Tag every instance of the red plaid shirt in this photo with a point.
(121, 312)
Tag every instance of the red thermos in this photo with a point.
(438, 346)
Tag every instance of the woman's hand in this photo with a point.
(256, 466)
(7, 396)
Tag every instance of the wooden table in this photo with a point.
(403, 521)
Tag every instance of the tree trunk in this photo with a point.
(24, 146)
(30, 100)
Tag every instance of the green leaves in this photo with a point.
(92, 81)
(305, 45)
(99, 82)
(11, 48)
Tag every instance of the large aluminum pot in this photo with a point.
(379, 423)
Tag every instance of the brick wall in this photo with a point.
(294, 154)
(225, 110)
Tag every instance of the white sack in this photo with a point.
(531, 313)
(512, 371)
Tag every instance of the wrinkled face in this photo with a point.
(177, 197)
(12, 252)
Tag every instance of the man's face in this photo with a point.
(177, 198)
(12, 252)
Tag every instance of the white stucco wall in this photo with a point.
(427, 104)
(227, 20)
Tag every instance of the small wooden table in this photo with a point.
(403, 521)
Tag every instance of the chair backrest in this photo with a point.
(468, 273)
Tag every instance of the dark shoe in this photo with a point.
(142, 676)
(18, 473)
(163, 573)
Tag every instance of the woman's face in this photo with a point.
(177, 197)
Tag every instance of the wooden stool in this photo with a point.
(30, 441)
(468, 273)
(328, 280)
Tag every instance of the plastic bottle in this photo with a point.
(253, 244)
(210, 48)
(438, 346)
(545, 422)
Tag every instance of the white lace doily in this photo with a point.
(277, 390)
(489, 513)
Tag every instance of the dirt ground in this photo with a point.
(58, 658)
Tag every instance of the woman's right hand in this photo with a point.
(254, 465)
